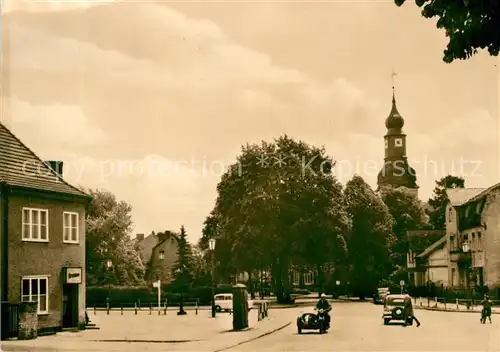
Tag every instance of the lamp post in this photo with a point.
(180, 272)
(466, 249)
(211, 246)
(109, 267)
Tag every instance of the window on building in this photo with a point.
(296, 277)
(35, 289)
(453, 276)
(473, 242)
(450, 214)
(70, 227)
(161, 255)
(465, 238)
(479, 242)
(35, 225)
(452, 243)
(308, 278)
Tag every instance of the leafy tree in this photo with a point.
(370, 237)
(182, 270)
(201, 266)
(439, 200)
(108, 229)
(408, 214)
(469, 24)
(277, 198)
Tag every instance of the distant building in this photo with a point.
(396, 171)
(42, 232)
(427, 257)
(160, 254)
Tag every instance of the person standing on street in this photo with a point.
(486, 312)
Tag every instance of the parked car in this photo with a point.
(395, 307)
(224, 302)
(379, 296)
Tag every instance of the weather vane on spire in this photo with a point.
(393, 74)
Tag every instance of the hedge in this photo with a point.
(128, 296)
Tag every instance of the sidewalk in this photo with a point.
(190, 332)
(423, 303)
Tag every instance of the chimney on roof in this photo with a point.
(57, 166)
(139, 236)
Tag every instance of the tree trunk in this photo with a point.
(321, 279)
(277, 281)
(251, 284)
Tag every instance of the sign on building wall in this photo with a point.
(73, 276)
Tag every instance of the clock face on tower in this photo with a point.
(386, 144)
(398, 142)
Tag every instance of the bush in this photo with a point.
(126, 295)
(300, 291)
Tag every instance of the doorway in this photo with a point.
(70, 306)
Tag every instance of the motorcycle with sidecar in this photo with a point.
(313, 321)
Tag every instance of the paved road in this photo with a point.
(358, 327)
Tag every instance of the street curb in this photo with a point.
(147, 341)
(450, 310)
(267, 333)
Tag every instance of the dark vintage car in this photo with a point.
(379, 296)
(398, 308)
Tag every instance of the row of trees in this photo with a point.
(273, 217)
(108, 237)
(295, 212)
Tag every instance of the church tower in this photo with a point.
(396, 171)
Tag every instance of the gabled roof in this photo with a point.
(20, 167)
(484, 192)
(460, 196)
(436, 245)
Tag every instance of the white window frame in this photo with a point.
(30, 295)
(69, 227)
(28, 237)
(308, 278)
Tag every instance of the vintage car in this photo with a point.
(379, 296)
(399, 308)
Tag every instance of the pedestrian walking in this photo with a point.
(486, 312)
(408, 313)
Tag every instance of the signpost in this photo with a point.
(157, 284)
(402, 284)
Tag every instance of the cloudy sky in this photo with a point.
(150, 100)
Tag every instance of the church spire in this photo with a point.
(393, 74)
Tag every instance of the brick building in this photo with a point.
(42, 232)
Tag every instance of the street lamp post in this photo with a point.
(466, 249)
(180, 272)
(109, 267)
(211, 245)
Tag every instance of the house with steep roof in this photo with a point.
(471, 242)
(159, 253)
(427, 257)
(473, 231)
(42, 232)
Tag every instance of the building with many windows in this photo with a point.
(469, 250)
(42, 232)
